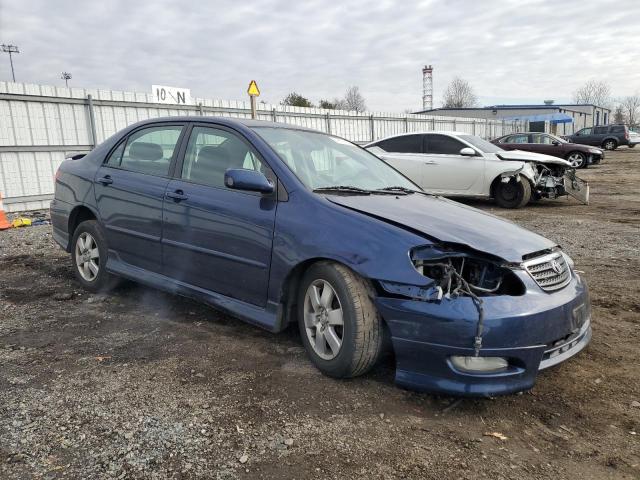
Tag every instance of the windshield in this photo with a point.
(480, 144)
(322, 161)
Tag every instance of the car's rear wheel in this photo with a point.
(632, 145)
(610, 144)
(340, 326)
(89, 257)
(577, 159)
(513, 194)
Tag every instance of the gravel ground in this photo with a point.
(141, 384)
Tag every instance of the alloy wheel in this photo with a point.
(609, 145)
(323, 319)
(576, 160)
(87, 257)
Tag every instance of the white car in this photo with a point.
(634, 138)
(461, 164)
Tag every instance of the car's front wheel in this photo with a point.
(610, 144)
(513, 194)
(577, 159)
(340, 326)
(89, 257)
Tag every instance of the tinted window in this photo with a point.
(211, 152)
(147, 151)
(402, 144)
(517, 139)
(617, 129)
(444, 145)
(600, 130)
(584, 131)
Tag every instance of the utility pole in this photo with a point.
(10, 49)
(66, 76)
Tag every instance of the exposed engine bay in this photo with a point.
(551, 181)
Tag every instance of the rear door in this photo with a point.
(598, 134)
(446, 171)
(405, 153)
(216, 238)
(129, 189)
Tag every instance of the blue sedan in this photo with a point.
(277, 224)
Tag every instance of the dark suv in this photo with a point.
(608, 137)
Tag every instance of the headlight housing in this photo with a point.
(596, 151)
(455, 272)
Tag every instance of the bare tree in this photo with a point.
(353, 100)
(459, 94)
(631, 108)
(594, 92)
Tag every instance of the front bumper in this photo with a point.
(534, 331)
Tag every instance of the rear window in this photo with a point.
(618, 129)
(402, 144)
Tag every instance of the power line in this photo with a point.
(10, 49)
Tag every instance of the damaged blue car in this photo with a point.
(278, 224)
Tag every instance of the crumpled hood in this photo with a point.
(450, 222)
(522, 156)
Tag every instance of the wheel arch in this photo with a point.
(606, 139)
(496, 181)
(79, 214)
(291, 284)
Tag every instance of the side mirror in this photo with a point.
(555, 142)
(468, 152)
(247, 180)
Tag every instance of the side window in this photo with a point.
(617, 129)
(600, 130)
(584, 131)
(541, 138)
(443, 145)
(517, 139)
(147, 151)
(211, 152)
(402, 144)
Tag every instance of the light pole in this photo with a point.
(66, 76)
(10, 49)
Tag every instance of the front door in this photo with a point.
(446, 171)
(216, 238)
(129, 190)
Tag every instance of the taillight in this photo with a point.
(626, 134)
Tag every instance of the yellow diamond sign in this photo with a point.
(253, 89)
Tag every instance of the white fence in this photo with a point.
(40, 125)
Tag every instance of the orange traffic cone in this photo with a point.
(4, 222)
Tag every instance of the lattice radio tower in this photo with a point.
(427, 87)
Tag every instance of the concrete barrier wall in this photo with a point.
(41, 124)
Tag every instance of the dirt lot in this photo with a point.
(139, 384)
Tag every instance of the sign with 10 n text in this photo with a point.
(172, 95)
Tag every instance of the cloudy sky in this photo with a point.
(510, 51)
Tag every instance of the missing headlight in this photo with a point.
(454, 273)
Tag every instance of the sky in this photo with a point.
(522, 51)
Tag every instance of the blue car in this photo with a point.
(278, 224)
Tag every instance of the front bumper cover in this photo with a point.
(533, 331)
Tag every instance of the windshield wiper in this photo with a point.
(343, 188)
(397, 189)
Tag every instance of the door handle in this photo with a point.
(431, 162)
(106, 180)
(178, 195)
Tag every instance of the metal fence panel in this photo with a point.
(40, 124)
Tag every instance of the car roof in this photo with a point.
(247, 122)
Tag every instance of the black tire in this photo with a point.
(577, 159)
(362, 330)
(513, 194)
(103, 281)
(632, 145)
(610, 144)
